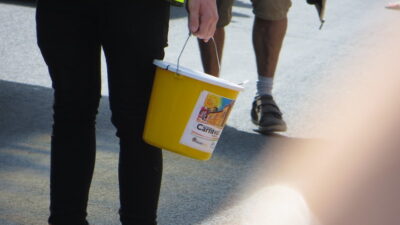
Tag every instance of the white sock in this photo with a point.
(264, 85)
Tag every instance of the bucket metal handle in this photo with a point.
(184, 46)
(216, 54)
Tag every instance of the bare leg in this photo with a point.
(207, 51)
(267, 41)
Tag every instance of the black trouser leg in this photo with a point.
(130, 45)
(68, 41)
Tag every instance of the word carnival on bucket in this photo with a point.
(207, 121)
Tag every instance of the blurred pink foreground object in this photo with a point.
(394, 5)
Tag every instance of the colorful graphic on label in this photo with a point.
(207, 121)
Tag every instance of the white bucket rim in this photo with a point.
(197, 75)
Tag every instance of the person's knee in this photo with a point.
(265, 23)
(75, 110)
(128, 123)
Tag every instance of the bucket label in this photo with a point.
(207, 121)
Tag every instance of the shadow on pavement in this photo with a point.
(192, 190)
(26, 119)
(25, 128)
(24, 116)
(27, 3)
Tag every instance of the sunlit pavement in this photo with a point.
(251, 178)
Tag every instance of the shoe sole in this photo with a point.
(269, 129)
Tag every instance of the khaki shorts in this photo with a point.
(263, 9)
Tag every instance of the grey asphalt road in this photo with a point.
(192, 191)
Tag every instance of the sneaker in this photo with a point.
(267, 116)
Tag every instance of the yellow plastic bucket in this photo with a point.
(188, 110)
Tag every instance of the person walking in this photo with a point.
(269, 30)
(70, 35)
